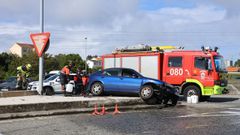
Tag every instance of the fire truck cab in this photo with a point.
(201, 73)
(194, 72)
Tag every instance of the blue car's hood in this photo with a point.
(147, 79)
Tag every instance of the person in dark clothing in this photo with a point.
(85, 79)
(78, 82)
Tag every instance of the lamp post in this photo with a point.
(85, 53)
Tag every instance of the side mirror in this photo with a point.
(58, 80)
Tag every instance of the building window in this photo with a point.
(24, 50)
(175, 61)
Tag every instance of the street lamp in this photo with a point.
(85, 54)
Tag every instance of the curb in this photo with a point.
(4, 94)
(73, 111)
(19, 108)
(24, 110)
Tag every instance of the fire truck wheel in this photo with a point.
(97, 89)
(191, 90)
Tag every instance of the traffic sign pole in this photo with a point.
(41, 44)
(41, 57)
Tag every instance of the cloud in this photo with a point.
(13, 29)
(91, 13)
(113, 24)
(231, 6)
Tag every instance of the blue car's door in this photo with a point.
(110, 79)
(130, 81)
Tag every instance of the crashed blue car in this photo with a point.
(126, 81)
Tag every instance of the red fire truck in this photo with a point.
(194, 72)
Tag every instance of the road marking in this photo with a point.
(238, 109)
(212, 114)
(196, 126)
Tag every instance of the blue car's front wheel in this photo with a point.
(147, 94)
(97, 89)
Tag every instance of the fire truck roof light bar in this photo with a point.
(206, 49)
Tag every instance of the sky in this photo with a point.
(101, 26)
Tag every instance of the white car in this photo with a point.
(51, 85)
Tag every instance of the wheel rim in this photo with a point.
(146, 92)
(191, 93)
(96, 88)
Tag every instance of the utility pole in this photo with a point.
(41, 58)
(85, 54)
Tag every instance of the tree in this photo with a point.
(10, 62)
(89, 57)
(237, 63)
(50, 63)
(63, 59)
(6, 60)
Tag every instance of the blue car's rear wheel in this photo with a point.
(97, 89)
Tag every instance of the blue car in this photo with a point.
(122, 81)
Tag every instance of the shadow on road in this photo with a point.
(222, 99)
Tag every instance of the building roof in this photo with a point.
(25, 45)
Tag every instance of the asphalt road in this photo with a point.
(203, 119)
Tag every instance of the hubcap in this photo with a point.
(96, 88)
(146, 92)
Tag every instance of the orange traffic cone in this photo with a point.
(116, 111)
(95, 112)
(103, 110)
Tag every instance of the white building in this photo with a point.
(21, 48)
(94, 62)
(228, 63)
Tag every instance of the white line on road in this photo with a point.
(238, 109)
(212, 114)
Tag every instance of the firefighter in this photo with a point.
(64, 76)
(78, 82)
(23, 73)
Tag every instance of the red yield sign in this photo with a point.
(40, 40)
